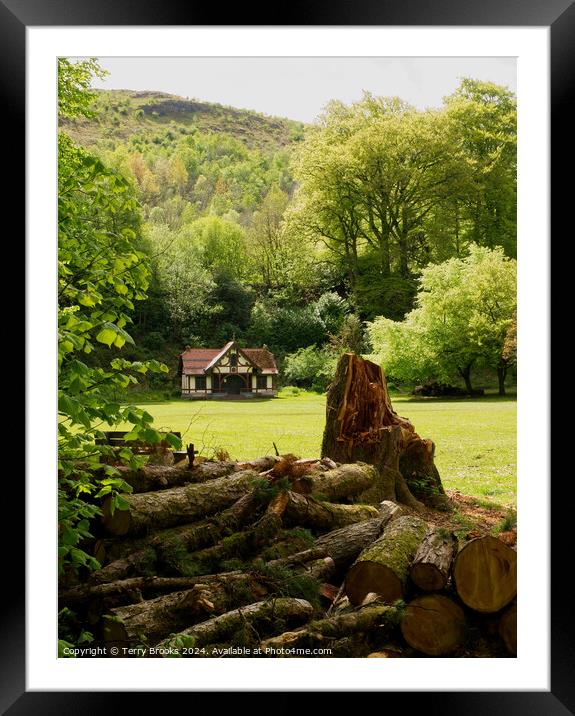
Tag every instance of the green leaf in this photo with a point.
(122, 503)
(107, 334)
(62, 645)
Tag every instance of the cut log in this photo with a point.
(167, 508)
(304, 511)
(155, 477)
(148, 621)
(259, 464)
(432, 564)
(99, 598)
(299, 558)
(319, 569)
(338, 484)
(244, 544)
(261, 614)
(345, 544)
(508, 629)
(188, 537)
(361, 425)
(139, 563)
(485, 572)
(323, 631)
(384, 566)
(434, 625)
(389, 510)
(211, 470)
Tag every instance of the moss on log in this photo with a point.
(340, 483)
(167, 508)
(188, 537)
(323, 631)
(304, 511)
(263, 614)
(150, 620)
(383, 567)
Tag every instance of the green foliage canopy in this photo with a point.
(464, 311)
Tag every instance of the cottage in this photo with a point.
(231, 370)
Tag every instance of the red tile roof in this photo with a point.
(262, 358)
(196, 360)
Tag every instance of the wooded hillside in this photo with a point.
(295, 236)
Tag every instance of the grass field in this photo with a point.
(475, 439)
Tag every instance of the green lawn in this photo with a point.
(475, 439)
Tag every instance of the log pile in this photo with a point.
(279, 555)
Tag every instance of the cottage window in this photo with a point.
(234, 360)
(262, 382)
(200, 382)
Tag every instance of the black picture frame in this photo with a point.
(15, 17)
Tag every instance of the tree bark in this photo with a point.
(361, 425)
(260, 613)
(132, 590)
(337, 484)
(153, 510)
(508, 629)
(485, 573)
(416, 464)
(501, 375)
(322, 631)
(260, 464)
(211, 470)
(319, 569)
(187, 537)
(151, 620)
(304, 511)
(434, 625)
(343, 545)
(383, 567)
(432, 564)
(243, 544)
(155, 477)
(140, 562)
(465, 373)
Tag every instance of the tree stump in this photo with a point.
(361, 426)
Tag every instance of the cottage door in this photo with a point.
(234, 384)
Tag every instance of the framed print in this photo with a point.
(256, 228)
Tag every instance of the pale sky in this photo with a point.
(299, 87)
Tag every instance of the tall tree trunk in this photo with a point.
(361, 426)
(403, 244)
(465, 373)
(501, 375)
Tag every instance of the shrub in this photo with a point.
(310, 367)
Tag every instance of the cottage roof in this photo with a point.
(197, 361)
(262, 358)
